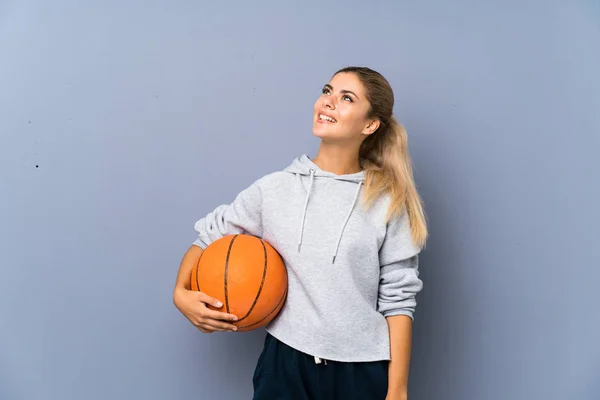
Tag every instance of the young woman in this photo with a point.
(349, 224)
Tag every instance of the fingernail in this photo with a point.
(219, 304)
(234, 328)
(234, 318)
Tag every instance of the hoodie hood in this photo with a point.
(303, 166)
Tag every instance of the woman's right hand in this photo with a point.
(193, 305)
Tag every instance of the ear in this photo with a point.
(371, 127)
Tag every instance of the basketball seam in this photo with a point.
(226, 272)
(262, 282)
(271, 312)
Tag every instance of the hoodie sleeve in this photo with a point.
(243, 215)
(399, 280)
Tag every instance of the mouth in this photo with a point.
(326, 118)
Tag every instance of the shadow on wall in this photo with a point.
(438, 343)
(439, 340)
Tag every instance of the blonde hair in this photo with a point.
(385, 157)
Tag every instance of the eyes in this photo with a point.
(327, 91)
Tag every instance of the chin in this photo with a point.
(322, 132)
(318, 133)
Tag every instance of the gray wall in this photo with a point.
(121, 123)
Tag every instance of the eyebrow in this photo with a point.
(343, 91)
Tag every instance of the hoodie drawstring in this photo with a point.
(312, 178)
(308, 192)
(337, 247)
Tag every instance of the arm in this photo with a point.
(243, 215)
(398, 287)
(192, 304)
(184, 275)
(400, 327)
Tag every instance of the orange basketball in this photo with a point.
(247, 275)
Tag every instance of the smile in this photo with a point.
(326, 118)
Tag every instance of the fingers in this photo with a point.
(217, 320)
(203, 297)
(218, 315)
(214, 325)
(208, 321)
(208, 325)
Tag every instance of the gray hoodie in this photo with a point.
(347, 268)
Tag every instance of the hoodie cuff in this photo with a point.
(200, 244)
(398, 287)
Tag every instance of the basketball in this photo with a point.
(247, 274)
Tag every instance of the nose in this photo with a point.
(328, 102)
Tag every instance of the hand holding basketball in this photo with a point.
(193, 305)
(248, 274)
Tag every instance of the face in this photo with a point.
(340, 113)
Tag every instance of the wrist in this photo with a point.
(397, 393)
(396, 396)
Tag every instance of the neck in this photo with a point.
(337, 160)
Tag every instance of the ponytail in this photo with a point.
(385, 158)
